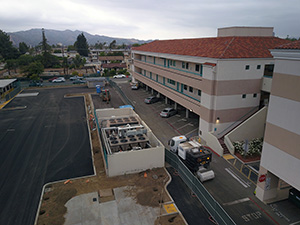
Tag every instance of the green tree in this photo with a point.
(112, 45)
(23, 48)
(81, 45)
(71, 48)
(25, 60)
(11, 64)
(34, 68)
(44, 44)
(78, 61)
(65, 65)
(7, 51)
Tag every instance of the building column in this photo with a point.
(187, 113)
(166, 100)
(158, 95)
(267, 189)
(147, 88)
(175, 105)
(152, 91)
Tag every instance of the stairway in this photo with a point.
(226, 150)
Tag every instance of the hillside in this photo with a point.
(67, 37)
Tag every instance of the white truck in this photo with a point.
(194, 155)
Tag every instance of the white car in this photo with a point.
(119, 76)
(59, 80)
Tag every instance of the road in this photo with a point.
(46, 141)
(232, 190)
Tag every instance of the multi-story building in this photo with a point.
(220, 78)
(280, 161)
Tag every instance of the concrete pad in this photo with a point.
(121, 211)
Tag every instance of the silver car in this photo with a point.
(167, 112)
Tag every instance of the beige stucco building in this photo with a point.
(280, 162)
(220, 78)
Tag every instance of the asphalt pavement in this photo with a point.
(43, 138)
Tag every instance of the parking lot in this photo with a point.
(43, 138)
(165, 127)
(230, 188)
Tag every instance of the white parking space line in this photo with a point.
(298, 222)
(240, 180)
(237, 201)
(10, 130)
(188, 124)
(191, 132)
(27, 94)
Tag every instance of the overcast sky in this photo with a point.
(151, 19)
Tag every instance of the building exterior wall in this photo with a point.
(228, 91)
(135, 161)
(245, 31)
(281, 152)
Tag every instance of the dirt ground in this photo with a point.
(147, 187)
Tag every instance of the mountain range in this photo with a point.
(33, 37)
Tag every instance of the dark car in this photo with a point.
(79, 81)
(35, 84)
(151, 99)
(167, 112)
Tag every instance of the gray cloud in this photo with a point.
(167, 19)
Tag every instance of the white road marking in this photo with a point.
(237, 201)
(298, 222)
(240, 180)
(27, 94)
(9, 130)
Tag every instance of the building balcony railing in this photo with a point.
(171, 68)
(174, 89)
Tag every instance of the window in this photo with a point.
(150, 75)
(199, 92)
(187, 65)
(269, 70)
(185, 87)
(191, 89)
(174, 63)
(254, 95)
(247, 67)
(170, 81)
(183, 65)
(258, 67)
(197, 68)
(244, 96)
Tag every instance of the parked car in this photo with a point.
(151, 99)
(79, 81)
(119, 76)
(53, 78)
(35, 84)
(75, 78)
(135, 86)
(167, 112)
(59, 80)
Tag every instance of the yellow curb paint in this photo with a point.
(228, 157)
(170, 208)
(5, 103)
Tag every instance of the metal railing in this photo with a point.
(118, 89)
(211, 205)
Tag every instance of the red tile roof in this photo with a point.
(291, 45)
(114, 65)
(218, 47)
